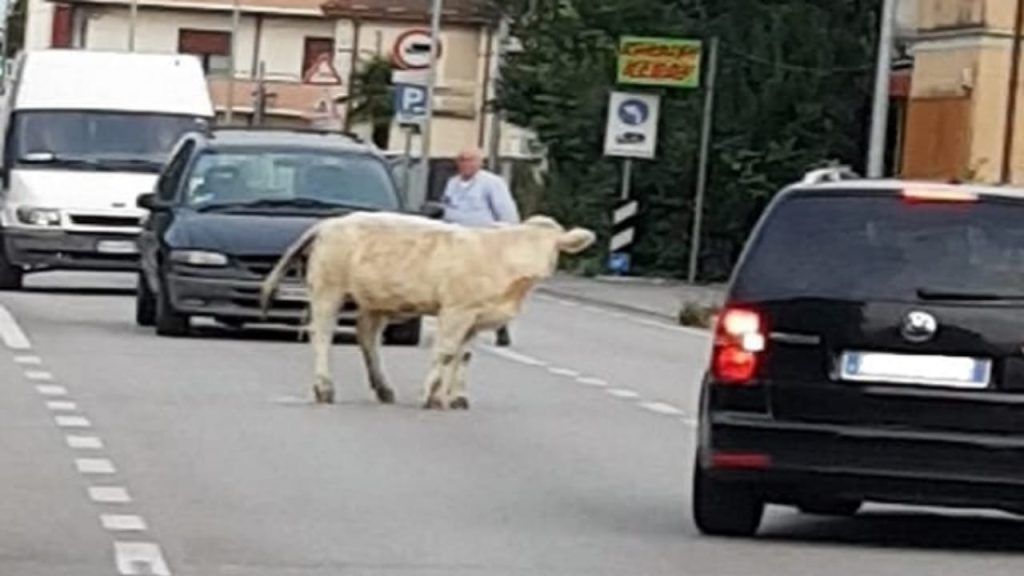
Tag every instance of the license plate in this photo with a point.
(116, 247)
(293, 294)
(921, 370)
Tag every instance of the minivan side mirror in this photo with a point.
(433, 210)
(148, 201)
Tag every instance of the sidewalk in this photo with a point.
(657, 297)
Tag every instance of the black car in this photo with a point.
(228, 204)
(871, 349)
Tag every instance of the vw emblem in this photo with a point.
(919, 327)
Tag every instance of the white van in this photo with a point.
(84, 134)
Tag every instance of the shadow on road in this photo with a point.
(908, 530)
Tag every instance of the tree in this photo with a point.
(14, 29)
(794, 91)
(372, 98)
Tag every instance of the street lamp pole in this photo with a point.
(880, 106)
(435, 41)
(229, 114)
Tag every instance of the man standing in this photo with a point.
(478, 198)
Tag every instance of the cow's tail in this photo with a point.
(273, 279)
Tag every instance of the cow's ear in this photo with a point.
(576, 240)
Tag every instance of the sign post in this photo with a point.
(702, 171)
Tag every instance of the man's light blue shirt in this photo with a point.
(482, 201)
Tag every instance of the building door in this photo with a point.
(937, 139)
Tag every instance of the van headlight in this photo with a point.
(38, 216)
(199, 258)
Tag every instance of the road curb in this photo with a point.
(568, 295)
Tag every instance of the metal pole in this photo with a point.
(407, 163)
(353, 69)
(627, 178)
(705, 149)
(133, 19)
(229, 114)
(880, 106)
(1006, 172)
(259, 110)
(435, 40)
(494, 144)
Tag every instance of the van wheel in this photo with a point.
(145, 303)
(11, 276)
(829, 506)
(725, 508)
(169, 322)
(405, 334)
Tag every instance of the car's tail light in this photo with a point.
(740, 460)
(739, 341)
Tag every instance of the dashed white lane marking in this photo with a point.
(595, 382)
(564, 372)
(28, 360)
(39, 375)
(140, 558)
(95, 466)
(72, 422)
(61, 406)
(514, 356)
(12, 334)
(623, 393)
(50, 390)
(109, 495)
(661, 408)
(123, 522)
(84, 442)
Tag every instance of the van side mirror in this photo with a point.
(434, 210)
(148, 201)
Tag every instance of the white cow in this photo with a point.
(395, 267)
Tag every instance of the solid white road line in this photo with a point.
(61, 406)
(564, 372)
(39, 375)
(623, 393)
(140, 559)
(12, 335)
(109, 495)
(28, 360)
(72, 422)
(122, 522)
(94, 466)
(595, 382)
(84, 442)
(661, 408)
(48, 390)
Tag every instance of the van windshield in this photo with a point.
(873, 247)
(88, 140)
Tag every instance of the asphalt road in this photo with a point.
(204, 456)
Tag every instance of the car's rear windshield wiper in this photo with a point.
(280, 203)
(967, 295)
(65, 161)
(136, 163)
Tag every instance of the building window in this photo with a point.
(315, 48)
(213, 48)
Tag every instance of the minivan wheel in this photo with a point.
(169, 322)
(11, 276)
(725, 508)
(145, 303)
(404, 334)
(829, 506)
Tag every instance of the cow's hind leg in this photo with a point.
(324, 307)
(453, 331)
(460, 401)
(368, 332)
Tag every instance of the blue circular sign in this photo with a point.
(634, 112)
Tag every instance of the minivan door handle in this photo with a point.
(795, 339)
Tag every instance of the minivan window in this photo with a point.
(283, 177)
(880, 247)
(97, 140)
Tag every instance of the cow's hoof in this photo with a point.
(461, 403)
(323, 396)
(386, 395)
(433, 404)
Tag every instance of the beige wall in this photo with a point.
(934, 14)
(283, 43)
(39, 24)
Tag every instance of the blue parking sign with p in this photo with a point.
(410, 103)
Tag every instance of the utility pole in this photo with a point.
(229, 114)
(494, 143)
(133, 20)
(880, 105)
(1006, 171)
(435, 41)
(705, 159)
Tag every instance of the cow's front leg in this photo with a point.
(323, 319)
(460, 401)
(453, 330)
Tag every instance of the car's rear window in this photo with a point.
(871, 246)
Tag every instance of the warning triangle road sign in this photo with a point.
(322, 72)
